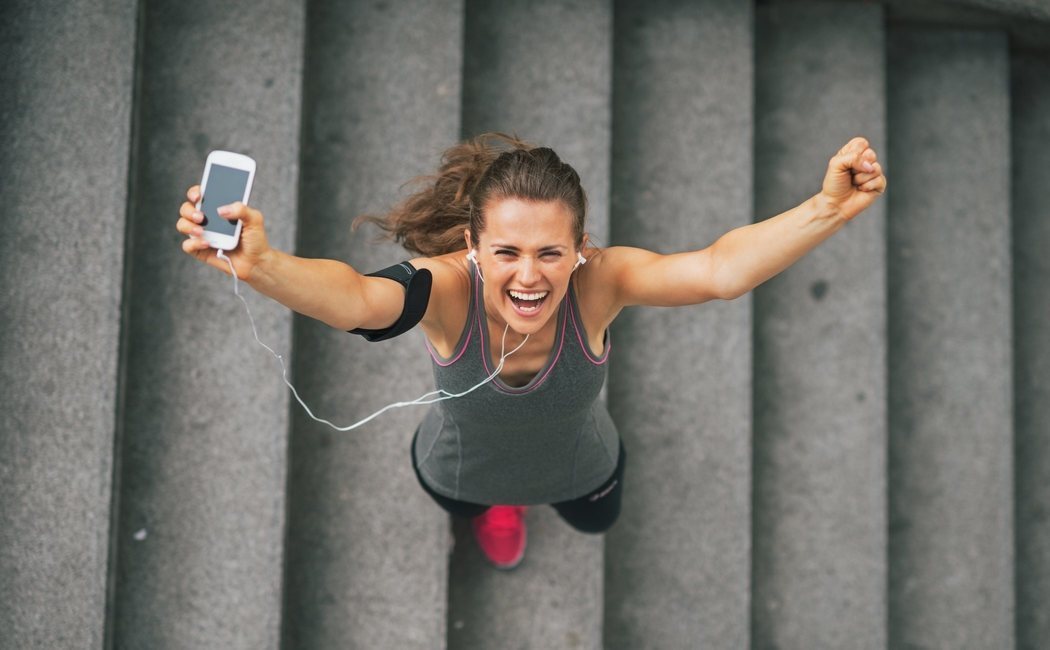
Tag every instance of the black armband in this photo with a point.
(417, 296)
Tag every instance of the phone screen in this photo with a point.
(225, 186)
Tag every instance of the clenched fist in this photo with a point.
(854, 179)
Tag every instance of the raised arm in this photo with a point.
(328, 290)
(747, 256)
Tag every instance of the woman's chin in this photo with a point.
(526, 322)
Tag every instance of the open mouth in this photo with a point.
(528, 302)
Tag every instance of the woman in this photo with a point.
(500, 229)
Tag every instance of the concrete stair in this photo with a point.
(819, 378)
(854, 455)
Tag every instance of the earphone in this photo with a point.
(421, 400)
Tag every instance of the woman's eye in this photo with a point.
(505, 253)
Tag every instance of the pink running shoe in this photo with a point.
(500, 532)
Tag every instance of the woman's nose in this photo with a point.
(527, 271)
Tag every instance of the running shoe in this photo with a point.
(500, 532)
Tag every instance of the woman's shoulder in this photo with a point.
(600, 275)
(603, 282)
(595, 287)
(449, 296)
(450, 271)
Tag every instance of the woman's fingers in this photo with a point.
(856, 157)
(194, 245)
(860, 179)
(189, 211)
(190, 228)
(193, 194)
(864, 163)
(855, 145)
(874, 185)
(851, 155)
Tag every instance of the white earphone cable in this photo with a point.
(421, 400)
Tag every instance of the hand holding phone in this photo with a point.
(227, 182)
(227, 179)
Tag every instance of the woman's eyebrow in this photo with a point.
(508, 247)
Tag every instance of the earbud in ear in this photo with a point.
(473, 257)
(580, 259)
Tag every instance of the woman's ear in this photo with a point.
(466, 238)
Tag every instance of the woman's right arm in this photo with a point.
(328, 290)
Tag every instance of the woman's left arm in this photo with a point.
(745, 257)
(750, 255)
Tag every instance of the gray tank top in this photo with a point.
(545, 442)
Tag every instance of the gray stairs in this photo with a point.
(1030, 104)
(950, 470)
(202, 443)
(366, 555)
(854, 455)
(819, 519)
(677, 564)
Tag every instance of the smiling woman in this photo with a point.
(500, 234)
(529, 250)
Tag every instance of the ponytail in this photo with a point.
(431, 221)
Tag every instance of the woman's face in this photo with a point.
(526, 255)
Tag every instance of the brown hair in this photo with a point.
(488, 167)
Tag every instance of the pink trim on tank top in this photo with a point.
(587, 348)
(445, 364)
(466, 344)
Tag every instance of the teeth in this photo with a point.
(521, 295)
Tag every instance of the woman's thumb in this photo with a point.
(848, 156)
(238, 210)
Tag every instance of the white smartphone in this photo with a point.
(227, 179)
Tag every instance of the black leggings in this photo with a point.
(592, 513)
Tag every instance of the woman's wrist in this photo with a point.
(826, 210)
(264, 271)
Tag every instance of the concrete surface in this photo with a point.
(552, 600)
(200, 535)
(367, 550)
(543, 69)
(1028, 9)
(1030, 119)
(132, 515)
(951, 542)
(678, 563)
(819, 563)
(65, 131)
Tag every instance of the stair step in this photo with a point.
(819, 570)
(677, 564)
(201, 524)
(1030, 163)
(367, 557)
(552, 600)
(66, 130)
(950, 407)
(854, 455)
